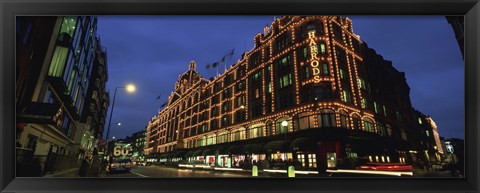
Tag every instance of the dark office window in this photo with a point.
(285, 101)
(225, 121)
(337, 31)
(32, 142)
(341, 55)
(322, 48)
(284, 62)
(306, 72)
(256, 77)
(240, 116)
(285, 80)
(241, 85)
(282, 42)
(255, 60)
(325, 69)
(315, 93)
(256, 110)
(227, 93)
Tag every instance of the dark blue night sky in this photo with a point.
(152, 51)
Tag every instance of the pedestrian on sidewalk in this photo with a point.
(95, 166)
(84, 167)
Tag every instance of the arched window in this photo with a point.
(357, 124)
(303, 121)
(344, 119)
(368, 125)
(380, 129)
(211, 139)
(238, 134)
(201, 141)
(270, 128)
(282, 126)
(255, 131)
(326, 118)
(222, 137)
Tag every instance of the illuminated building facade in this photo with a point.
(430, 144)
(92, 119)
(138, 144)
(309, 92)
(55, 57)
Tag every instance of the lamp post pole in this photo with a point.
(111, 112)
(130, 88)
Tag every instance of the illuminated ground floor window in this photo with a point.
(301, 159)
(331, 160)
(210, 160)
(279, 156)
(312, 161)
(200, 158)
(224, 161)
(307, 160)
(257, 157)
(237, 160)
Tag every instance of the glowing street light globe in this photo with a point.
(130, 88)
(284, 123)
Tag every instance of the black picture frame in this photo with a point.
(9, 9)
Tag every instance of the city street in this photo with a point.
(162, 171)
(156, 171)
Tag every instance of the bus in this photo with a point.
(120, 161)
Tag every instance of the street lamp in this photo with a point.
(130, 88)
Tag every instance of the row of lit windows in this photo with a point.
(325, 119)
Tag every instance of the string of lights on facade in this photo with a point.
(310, 91)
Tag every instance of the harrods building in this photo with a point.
(310, 91)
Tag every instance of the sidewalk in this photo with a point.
(71, 173)
(65, 173)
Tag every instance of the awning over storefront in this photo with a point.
(367, 147)
(303, 144)
(197, 153)
(275, 146)
(189, 154)
(253, 148)
(235, 150)
(179, 154)
(208, 152)
(222, 150)
(164, 155)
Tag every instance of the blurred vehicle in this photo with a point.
(141, 163)
(348, 175)
(121, 158)
(386, 167)
(118, 165)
